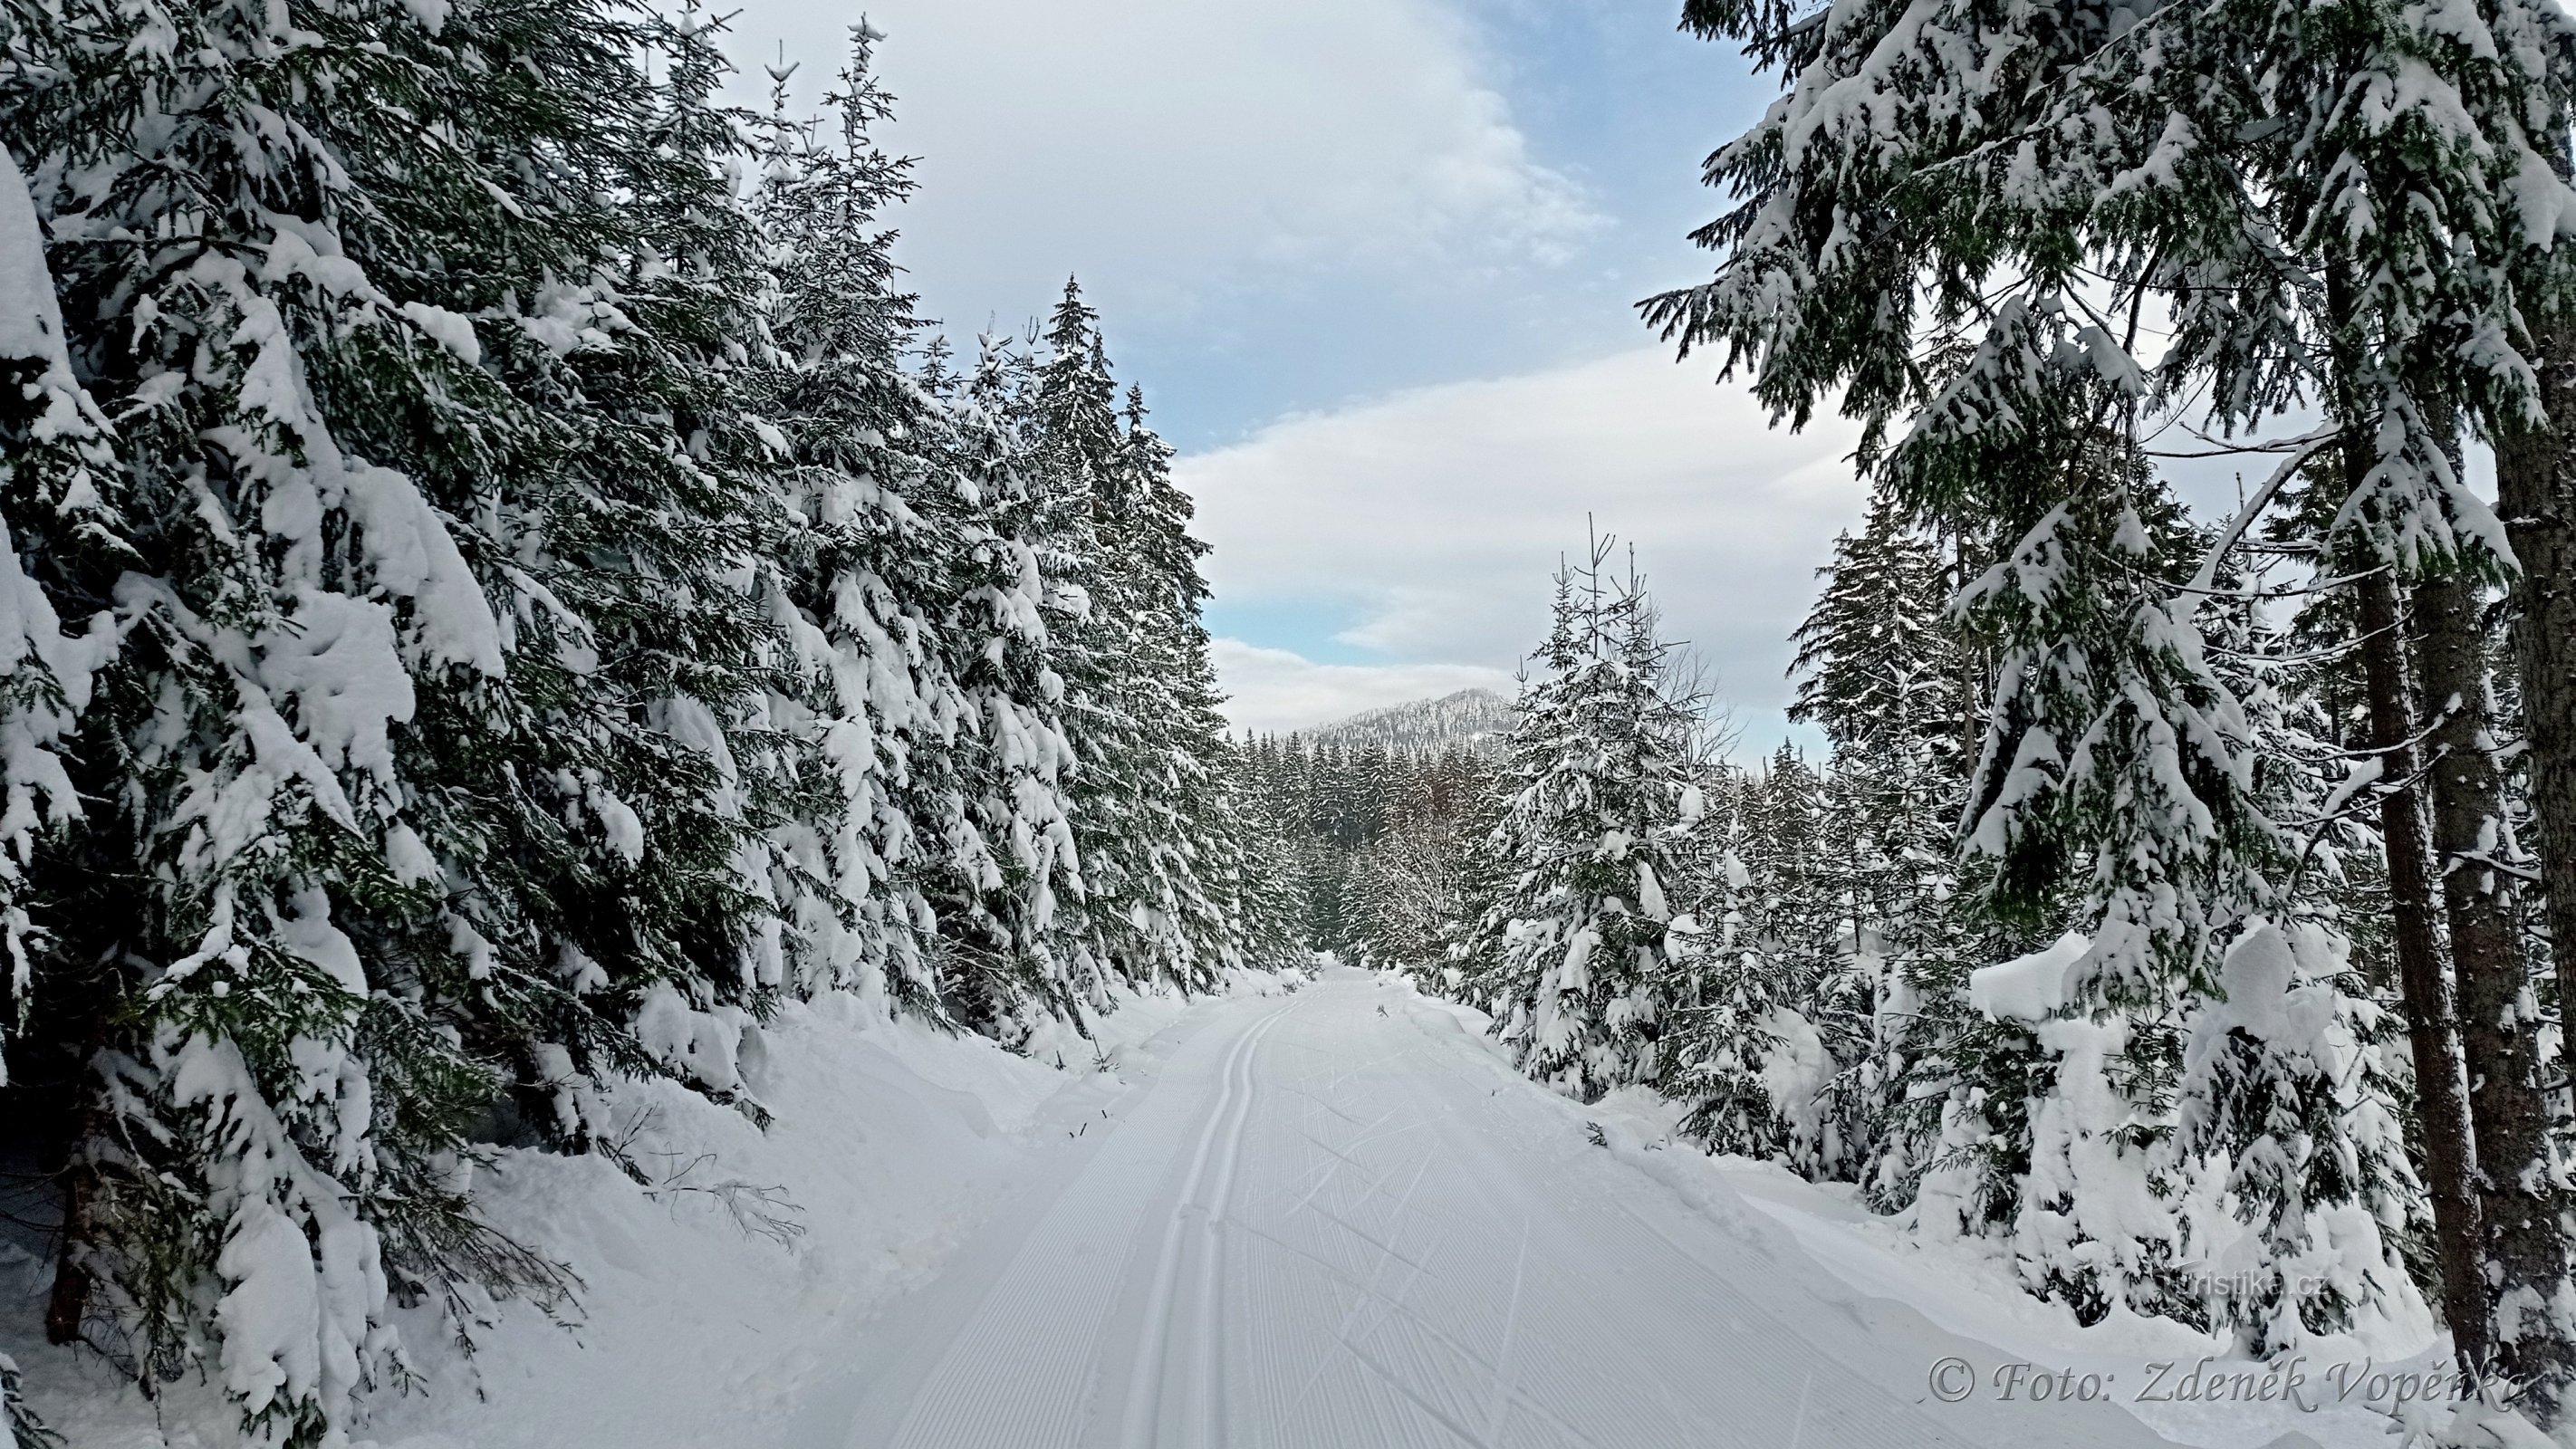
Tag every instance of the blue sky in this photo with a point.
(1373, 261)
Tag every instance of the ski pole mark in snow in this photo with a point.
(1388, 1302)
(1324, 1177)
(1497, 1402)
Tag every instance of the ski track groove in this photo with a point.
(1208, 1382)
(1146, 1391)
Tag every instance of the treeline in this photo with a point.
(1374, 841)
(502, 592)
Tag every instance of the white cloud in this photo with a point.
(1164, 147)
(1436, 517)
(1277, 690)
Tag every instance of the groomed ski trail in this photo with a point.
(1336, 1220)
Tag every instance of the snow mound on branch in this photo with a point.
(1796, 1069)
(31, 320)
(2027, 988)
(2264, 996)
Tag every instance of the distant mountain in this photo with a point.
(1475, 718)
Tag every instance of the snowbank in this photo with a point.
(1968, 1287)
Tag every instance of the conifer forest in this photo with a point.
(569, 758)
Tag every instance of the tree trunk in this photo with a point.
(67, 1305)
(2536, 493)
(2499, 1022)
(2432, 1028)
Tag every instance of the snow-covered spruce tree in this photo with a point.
(890, 503)
(2118, 766)
(2423, 219)
(1574, 959)
(1962, 236)
(2535, 478)
(360, 836)
(58, 483)
(2409, 215)
(1274, 844)
(1077, 449)
(1196, 849)
(2309, 1200)
(1878, 661)
(2479, 867)
(1270, 907)
(2442, 227)
(1736, 1015)
(2115, 766)
(1160, 857)
(237, 284)
(1748, 1055)
(2363, 873)
(1786, 845)
(1884, 672)
(2286, 1086)
(2412, 214)
(1014, 927)
(1486, 878)
(1405, 887)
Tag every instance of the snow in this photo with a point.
(2256, 983)
(2028, 988)
(31, 319)
(706, 1045)
(2092, 1202)
(415, 556)
(35, 787)
(335, 658)
(1328, 1216)
(718, 1296)
(264, 1351)
(1796, 1069)
(304, 1278)
(1966, 1288)
(448, 329)
(1354, 1225)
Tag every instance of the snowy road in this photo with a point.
(1336, 1221)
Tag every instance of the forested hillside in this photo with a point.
(1469, 719)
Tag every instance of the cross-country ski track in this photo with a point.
(1336, 1220)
